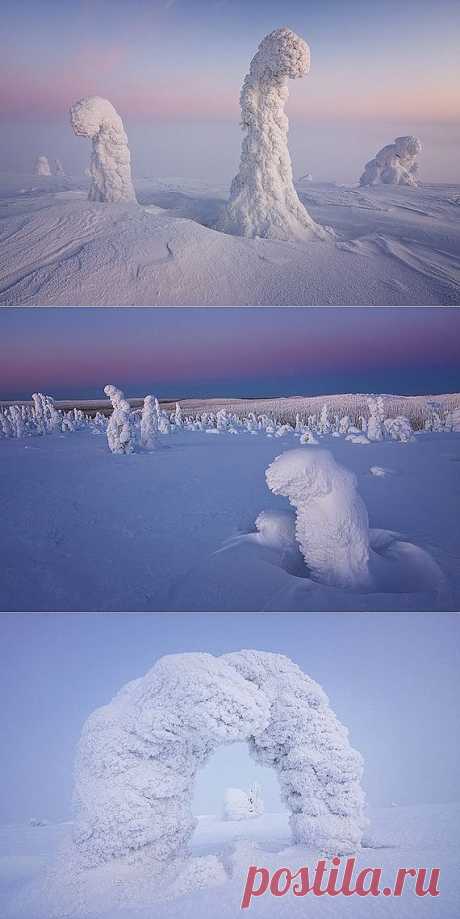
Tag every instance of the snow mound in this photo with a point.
(263, 201)
(110, 167)
(395, 164)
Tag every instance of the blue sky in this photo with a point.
(234, 352)
(393, 680)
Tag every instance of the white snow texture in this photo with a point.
(395, 164)
(110, 167)
(138, 755)
(332, 524)
(263, 201)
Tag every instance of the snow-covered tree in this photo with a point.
(110, 164)
(375, 427)
(399, 428)
(42, 166)
(120, 431)
(395, 164)
(344, 424)
(46, 416)
(241, 805)
(149, 423)
(138, 756)
(263, 200)
(325, 426)
(178, 416)
(58, 168)
(332, 525)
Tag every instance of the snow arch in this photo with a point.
(263, 200)
(110, 165)
(138, 756)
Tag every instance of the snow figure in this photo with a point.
(178, 416)
(263, 200)
(399, 428)
(46, 417)
(332, 526)
(42, 166)
(241, 805)
(120, 434)
(138, 756)
(110, 167)
(395, 164)
(149, 423)
(58, 168)
(375, 429)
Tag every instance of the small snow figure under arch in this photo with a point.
(263, 200)
(110, 167)
(42, 166)
(395, 164)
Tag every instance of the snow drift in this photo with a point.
(395, 164)
(138, 756)
(263, 201)
(110, 167)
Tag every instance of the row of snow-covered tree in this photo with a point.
(130, 429)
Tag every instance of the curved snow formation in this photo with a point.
(138, 755)
(332, 525)
(110, 165)
(263, 201)
(395, 164)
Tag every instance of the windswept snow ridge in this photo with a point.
(263, 200)
(110, 167)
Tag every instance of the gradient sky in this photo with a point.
(181, 62)
(393, 680)
(184, 353)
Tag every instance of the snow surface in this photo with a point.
(419, 835)
(393, 246)
(179, 528)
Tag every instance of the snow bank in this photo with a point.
(138, 756)
(332, 525)
(263, 201)
(42, 166)
(110, 167)
(395, 164)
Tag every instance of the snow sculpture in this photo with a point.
(42, 166)
(263, 200)
(395, 164)
(138, 755)
(149, 423)
(110, 167)
(332, 526)
(241, 805)
(120, 434)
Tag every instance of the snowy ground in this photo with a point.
(174, 529)
(411, 836)
(393, 246)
